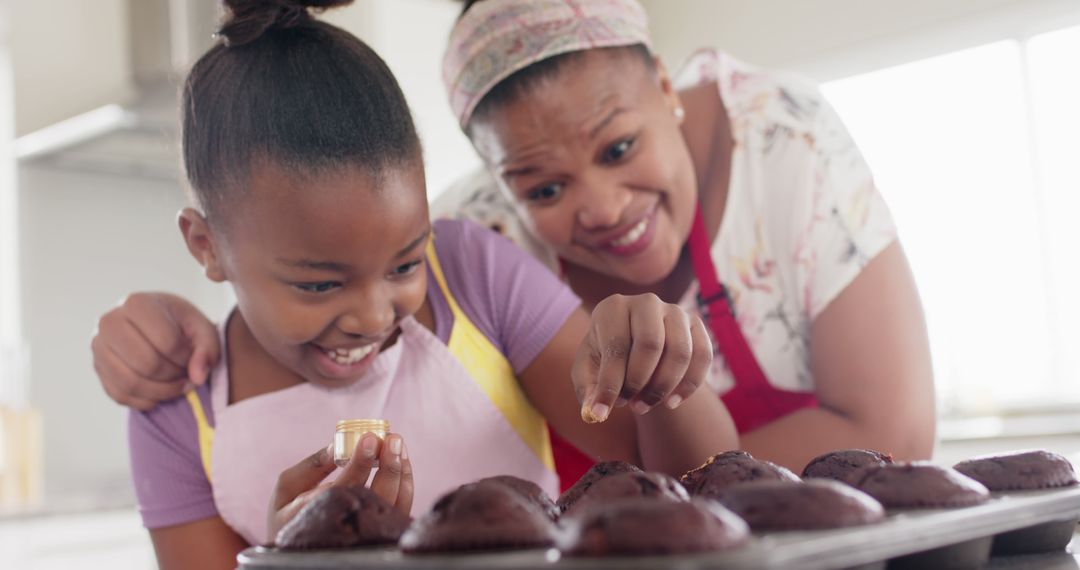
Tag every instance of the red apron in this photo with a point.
(752, 402)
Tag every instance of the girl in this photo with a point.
(307, 173)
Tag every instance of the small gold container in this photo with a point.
(348, 434)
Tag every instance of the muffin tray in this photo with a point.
(962, 535)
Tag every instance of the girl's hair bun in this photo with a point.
(248, 20)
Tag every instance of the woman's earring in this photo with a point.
(680, 114)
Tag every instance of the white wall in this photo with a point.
(9, 307)
(70, 56)
(828, 39)
(410, 35)
(87, 240)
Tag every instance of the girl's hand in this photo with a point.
(640, 351)
(152, 348)
(301, 483)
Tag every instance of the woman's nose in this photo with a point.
(602, 205)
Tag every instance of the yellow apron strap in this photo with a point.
(493, 373)
(206, 433)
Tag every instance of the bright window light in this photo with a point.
(1053, 64)
(976, 153)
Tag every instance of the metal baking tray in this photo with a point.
(901, 533)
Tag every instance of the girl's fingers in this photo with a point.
(359, 468)
(647, 340)
(387, 480)
(302, 477)
(700, 363)
(406, 488)
(678, 351)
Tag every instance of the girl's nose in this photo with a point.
(602, 205)
(369, 315)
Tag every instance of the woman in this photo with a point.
(733, 191)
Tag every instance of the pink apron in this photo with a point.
(463, 417)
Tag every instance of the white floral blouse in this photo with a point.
(802, 218)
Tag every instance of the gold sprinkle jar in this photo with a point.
(348, 434)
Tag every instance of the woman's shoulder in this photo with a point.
(756, 97)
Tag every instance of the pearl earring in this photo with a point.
(680, 114)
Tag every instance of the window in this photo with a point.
(977, 153)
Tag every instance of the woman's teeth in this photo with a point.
(346, 357)
(633, 235)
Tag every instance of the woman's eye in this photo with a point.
(319, 287)
(406, 268)
(615, 152)
(545, 193)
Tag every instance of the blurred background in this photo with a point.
(966, 110)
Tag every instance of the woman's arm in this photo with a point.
(870, 358)
(206, 544)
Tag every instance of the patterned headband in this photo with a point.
(496, 38)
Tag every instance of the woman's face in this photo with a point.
(596, 162)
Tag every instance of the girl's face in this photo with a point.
(326, 266)
(596, 162)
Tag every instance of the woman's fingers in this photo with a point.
(700, 363)
(648, 338)
(642, 351)
(677, 352)
(138, 349)
(125, 385)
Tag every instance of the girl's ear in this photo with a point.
(201, 243)
(667, 88)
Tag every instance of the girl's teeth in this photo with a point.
(346, 357)
(633, 235)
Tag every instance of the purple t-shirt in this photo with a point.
(514, 300)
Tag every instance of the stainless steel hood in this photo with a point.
(138, 137)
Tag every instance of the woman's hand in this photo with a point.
(639, 351)
(152, 348)
(301, 483)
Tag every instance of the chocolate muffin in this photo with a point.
(920, 485)
(1022, 470)
(486, 515)
(731, 467)
(594, 474)
(627, 485)
(531, 491)
(651, 526)
(815, 504)
(843, 465)
(342, 517)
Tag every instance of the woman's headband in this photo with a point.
(496, 38)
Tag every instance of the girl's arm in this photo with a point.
(661, 439)
(870, 359)
(207, 543)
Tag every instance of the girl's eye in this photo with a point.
(406, 268)
(319, 287)
(617, 151)
(545, 193)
